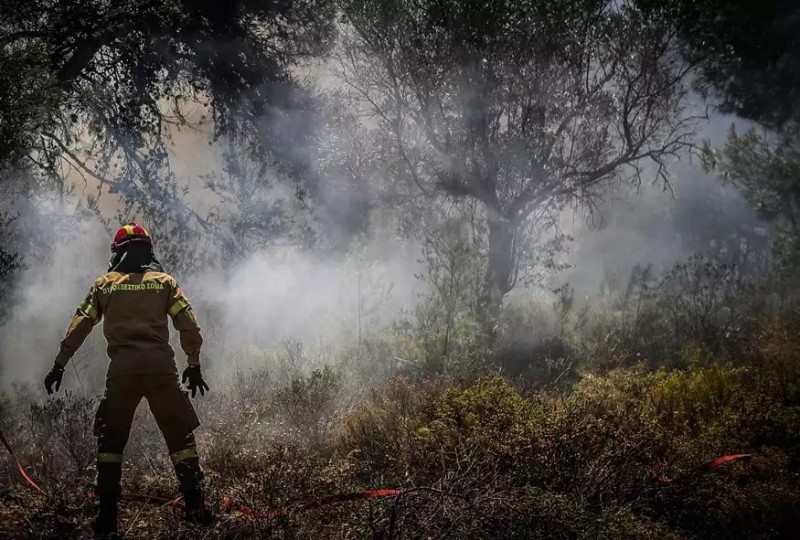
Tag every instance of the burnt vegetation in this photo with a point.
(469, 129)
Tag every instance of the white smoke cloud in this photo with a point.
(47, 294)
(279, 293)
(658, 225)
(284, 294)
(269, 297)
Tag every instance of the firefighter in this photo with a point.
(134, 300)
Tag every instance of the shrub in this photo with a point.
(380, 436)
(490, 417)
(308, 405)
(60, 430)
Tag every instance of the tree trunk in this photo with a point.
(500, 268)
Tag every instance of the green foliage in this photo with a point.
(745, 54)
(598, 452)
(308, 404)
(490, 417)
(767, 171)
(445, 334)
(379, 434)
(766, 168)
(25, 100)
(616, 454)
(162, 50)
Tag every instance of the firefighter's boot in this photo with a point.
(104, 525)
(196, 510)
(109, 473)
(190, 477)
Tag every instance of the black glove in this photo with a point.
(195, 378)
(54, 377)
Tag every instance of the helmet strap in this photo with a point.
(116, 259)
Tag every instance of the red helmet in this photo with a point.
(130, 232)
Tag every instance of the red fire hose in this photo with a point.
(20, 468)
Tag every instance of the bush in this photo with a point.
(379, 437)
(619, 455)
(308, 405)
(490, 418)
(60, 432)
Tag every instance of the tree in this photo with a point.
(746, 53)
(251, 211)
(765, 167)
(24, 101)
(767, 172)
(10, 263)
(94, 88)
(522, 107)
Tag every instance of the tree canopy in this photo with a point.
(746, 53)
(94, 88)
(521, 106)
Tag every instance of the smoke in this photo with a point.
(278, 293)
(273, 295)
(284, 294)
(659, 225)
(48, 291)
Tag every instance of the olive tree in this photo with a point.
(522, 107)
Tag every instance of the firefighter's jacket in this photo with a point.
(134, 309)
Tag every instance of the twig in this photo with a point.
(130, 526)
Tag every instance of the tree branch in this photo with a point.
(77, 62)
(23, 34)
